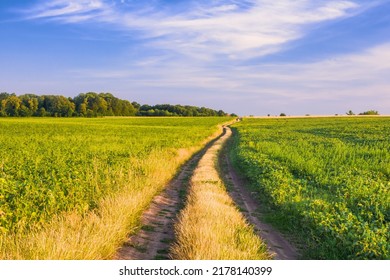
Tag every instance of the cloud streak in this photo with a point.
(346, 79)
(207, 50)
(61, 10)
(207, 29)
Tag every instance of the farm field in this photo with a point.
(65, 184)
(326, 181)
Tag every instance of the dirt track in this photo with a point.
(277, 244)
(157, 233)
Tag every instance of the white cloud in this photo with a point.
(209, 28)
(352, 71)
(331, 85)
(69, 10)
(203, 46)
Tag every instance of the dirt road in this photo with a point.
(277, 244)
(156, 235)
(153, 240)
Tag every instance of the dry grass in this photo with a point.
(98, 234)
(211, 227)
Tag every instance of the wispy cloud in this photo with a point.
(205, 29)
(202, 48)
(360, 78)
(68, 10)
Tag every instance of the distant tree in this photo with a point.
(82, 109)
(370, 112)
(91, 104)
(56, 105)
(221, 113)
(96, 104)
(136, 105)
(4, 95)
(127, 108)
(12, 106)
(177, 110)
(109, 98)
(42, 112)
(282, 114)
(80, 102)
(350, 113)
(29, 105)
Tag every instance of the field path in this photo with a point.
(277, 244)
(157, 232)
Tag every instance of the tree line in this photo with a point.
(90, 104)
(366, 113)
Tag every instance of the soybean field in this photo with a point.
(326, 181)
(74, 188)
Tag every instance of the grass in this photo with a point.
(148, 228)
(166, 240)
(139, 247)
(326, 180)
(75, 188)
(210, 227)
(161, 257)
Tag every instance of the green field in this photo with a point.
(326, 181)
(63, 181)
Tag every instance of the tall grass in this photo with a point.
(97, 178)
(94, 234)
(211, 227)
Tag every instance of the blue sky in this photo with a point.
(249, 57)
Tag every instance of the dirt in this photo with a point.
(156, 235)
(278, 245)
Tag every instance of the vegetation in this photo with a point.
(75, 188)
(178, 110)
(90, 104)
(210, 226)
(325, 180)
(370, 113)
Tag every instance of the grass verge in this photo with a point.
(211, 227)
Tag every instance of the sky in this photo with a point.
(249, 57)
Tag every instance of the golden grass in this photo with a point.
(210, 227)
(98, 234)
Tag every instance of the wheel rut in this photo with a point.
(154, 239)
(157, 233)
(278, 245)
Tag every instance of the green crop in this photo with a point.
(326, 180)
(50, 166)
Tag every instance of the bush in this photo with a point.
(370, 112)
